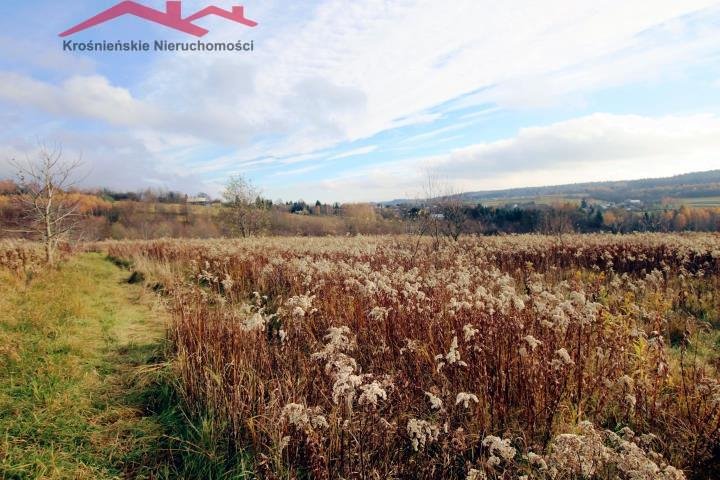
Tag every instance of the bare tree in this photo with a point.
(454, 214)
(444, 213)
(557, 221)
(49, 214)
(242, 214)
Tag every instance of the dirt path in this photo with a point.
(78, 348)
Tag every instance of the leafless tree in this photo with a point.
(557, 221)
(49, 213)
(454, 214)
(445, 212)
(242, 215)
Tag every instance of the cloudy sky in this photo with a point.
(357, 100)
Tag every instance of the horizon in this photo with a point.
(100, 188)
(357, 104)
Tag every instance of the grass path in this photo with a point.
(72, 401)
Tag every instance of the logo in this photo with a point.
(171, 17)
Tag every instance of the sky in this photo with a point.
(363, 100)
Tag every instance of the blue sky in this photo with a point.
(362, 100)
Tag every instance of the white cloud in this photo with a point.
(117, 161)
(356, 152)
(84, 96)
(592, 148)
(336, 71)
(642, 145)
(345, 71)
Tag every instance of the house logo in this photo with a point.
(172, 17)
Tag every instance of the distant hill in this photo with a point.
(652, 190)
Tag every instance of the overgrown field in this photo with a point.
(508, 357)
(392, 357)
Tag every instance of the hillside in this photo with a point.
(696, 185)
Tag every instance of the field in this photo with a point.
(529, 357)
(700, 202)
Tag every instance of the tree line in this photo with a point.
(44, 203)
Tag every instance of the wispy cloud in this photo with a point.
(355, 152)
(331, 73)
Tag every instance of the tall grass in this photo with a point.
(385, 357)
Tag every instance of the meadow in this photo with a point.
(509, 357)
(394, 357)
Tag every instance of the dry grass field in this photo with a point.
(524, 357)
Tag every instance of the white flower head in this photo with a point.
(452, 357)
(421, 432)
(469, 332)
(465, 399)
(499, 446)
(563, 359)
(435, 402)
(371, 393)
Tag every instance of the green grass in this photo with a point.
(84, 389)
(75, 336)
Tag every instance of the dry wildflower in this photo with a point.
(474, 474)
(531, 342)
(575, 454)
(371, 393)
(498, 446)
(296, 414)
(480, 289)
(465, 399)
(379, 314)
(452, 357)
(254, 322)
(284, 442)
(339, 339)
(592, 451)
(319, 421)
(300, 305)
(304, 418)
(346, 381)
(227, 283)
(630, 401)
(435, 402)
(537, 461)
(469, 332)
(410, 346)
(563, 359)
(421, 432)
(494, 462)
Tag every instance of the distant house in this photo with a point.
(201, 199)
(437, 216)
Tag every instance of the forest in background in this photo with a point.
(613, 207)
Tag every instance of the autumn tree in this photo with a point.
(49, 211)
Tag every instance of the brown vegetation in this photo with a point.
(504, 357)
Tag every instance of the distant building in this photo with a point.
(201, 199)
